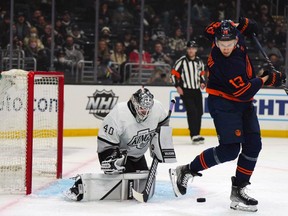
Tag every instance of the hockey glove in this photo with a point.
(275, 78)
(114, 164)
(247, 26)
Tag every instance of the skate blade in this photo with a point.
(173, 179)
(242, 207)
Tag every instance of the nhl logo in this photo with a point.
(101, 103)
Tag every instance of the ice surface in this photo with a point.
(269, 186)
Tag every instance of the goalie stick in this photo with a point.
(267, 58)
(143, 197)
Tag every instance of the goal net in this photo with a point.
(31, 128)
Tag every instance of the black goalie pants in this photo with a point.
(192, 100)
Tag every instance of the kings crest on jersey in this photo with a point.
(142, 139)
(120, 129)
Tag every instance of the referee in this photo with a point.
(188, 77)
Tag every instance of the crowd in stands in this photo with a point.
(164, 39)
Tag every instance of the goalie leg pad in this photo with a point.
(162, 146)
(108, 187)
(75, 193)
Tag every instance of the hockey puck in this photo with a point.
(201, 200)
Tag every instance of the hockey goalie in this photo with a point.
(125, 135)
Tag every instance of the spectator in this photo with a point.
(118, 59)
(121, 17)
(60, 28)
(78, 36)
(136, 13)
(34, 50)
(127, 42)
(177, 44)
(134, 56)
(280, 33)
(270, 48)
(105, 35)
(264, 12)
(36, 14)
(63, 64)
(66, 21)
(157, 28)
(147, 42)
(200, 16)
(72, 53)
(275, 60)
(134, 69)
(33, 33)
(46, 38)
(3, 12)
(103, 61)
(176, 22)
(5, 31)
(158, 56)
(103, 51)
(266, 23)
(22, 26)
(222, 12)
(41, 25)
(104, 15)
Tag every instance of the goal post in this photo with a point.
(31, 132)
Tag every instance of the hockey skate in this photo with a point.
(196, 140)
(75, 193)
(240, 200)
(179, 178)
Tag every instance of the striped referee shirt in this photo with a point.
(187, 73)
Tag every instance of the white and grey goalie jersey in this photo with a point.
(120, 129)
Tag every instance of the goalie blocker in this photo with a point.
(93, 186)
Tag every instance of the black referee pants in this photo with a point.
(192, 99)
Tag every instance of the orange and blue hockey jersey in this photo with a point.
(231, 77)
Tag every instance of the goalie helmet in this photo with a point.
(226, 31)
(142, 101)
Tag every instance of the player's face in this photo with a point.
(143, 111)
(191, 52)
(226, 47)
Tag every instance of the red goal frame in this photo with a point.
(30, 117)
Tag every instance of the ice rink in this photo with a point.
(269, 186)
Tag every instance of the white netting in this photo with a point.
(13, 115)
(13, 105)
(45, 125)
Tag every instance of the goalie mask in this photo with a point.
(142, 101)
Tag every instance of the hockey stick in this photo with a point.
(143, 197)
(267, 59)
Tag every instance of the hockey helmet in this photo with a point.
(191, 44)
(142, 101)
(226, 31)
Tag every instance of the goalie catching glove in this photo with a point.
(275, 78)
(114, 164)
